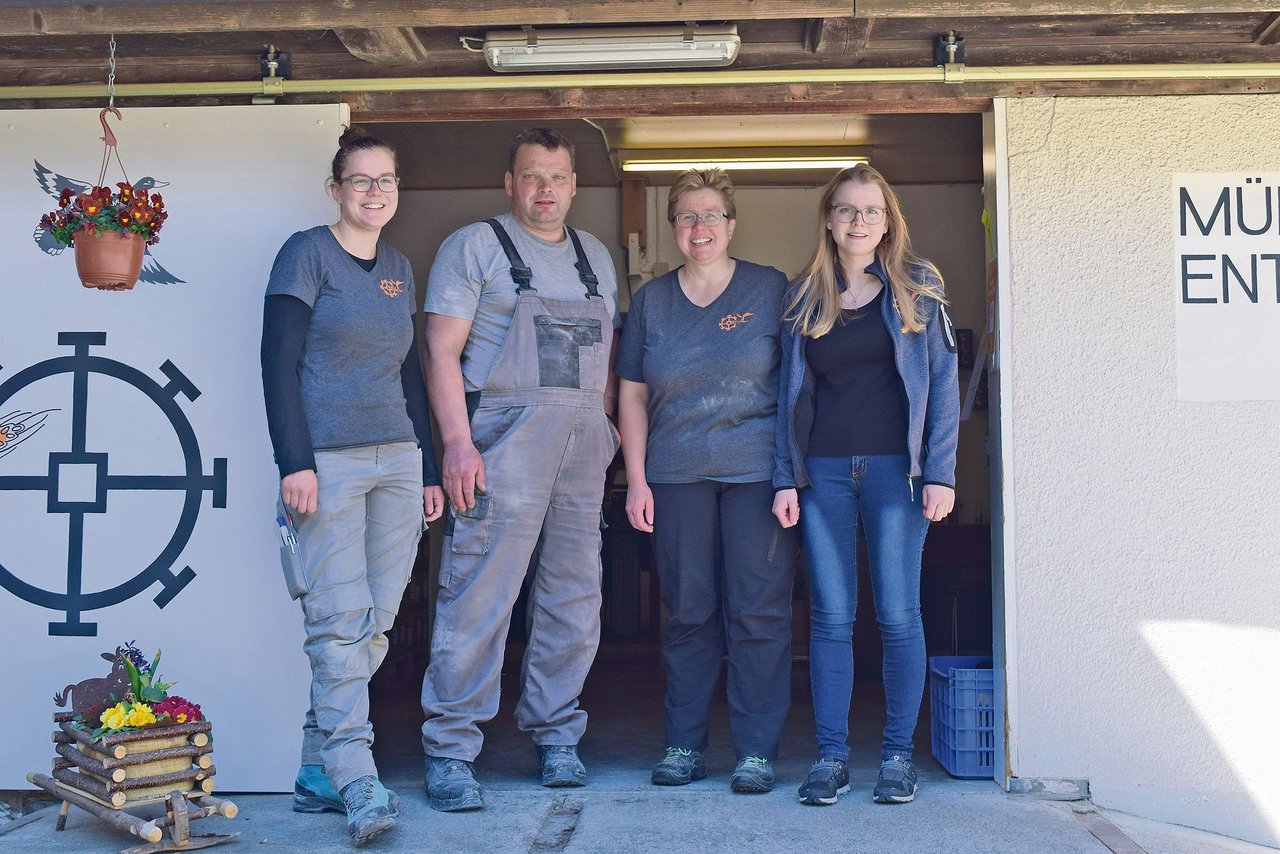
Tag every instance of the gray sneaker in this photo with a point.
(368, 806)
(754, 775)
(561, 766)
(679, 767)
(897, 783)
(451, 785)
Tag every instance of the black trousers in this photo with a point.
(725, 571)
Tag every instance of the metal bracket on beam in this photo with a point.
(953, 72)
(272, 88)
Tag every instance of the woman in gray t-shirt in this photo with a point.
(697, 405)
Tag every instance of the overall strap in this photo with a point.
(520, 273)
(584, 266)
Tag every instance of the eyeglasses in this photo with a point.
(689, 220)
(846, 213)
(364, 183)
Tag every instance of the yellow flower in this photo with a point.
(141, 715)
(182, 717)
(114, 717)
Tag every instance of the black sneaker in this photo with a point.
(897, 783)
(451, 785)
(369, 810)
(561, 766)
(828, 779)
(678, 767)
(754, 775)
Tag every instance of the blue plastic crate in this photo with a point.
(963, 714)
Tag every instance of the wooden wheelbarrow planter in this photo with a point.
(172, 765)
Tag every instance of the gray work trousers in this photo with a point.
(545, 452)
(353, 560)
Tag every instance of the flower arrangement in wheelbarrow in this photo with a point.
(146, 702)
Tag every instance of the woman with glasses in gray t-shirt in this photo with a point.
(697, 405)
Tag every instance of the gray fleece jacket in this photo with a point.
(930, 374)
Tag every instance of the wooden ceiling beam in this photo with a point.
(384, 45)
(1025, 8)
(1268, 31)
(282, 15)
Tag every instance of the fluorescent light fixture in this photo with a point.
(531, 49)
(741, 159)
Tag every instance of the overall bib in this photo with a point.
(540, 427)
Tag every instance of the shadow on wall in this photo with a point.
(1217, 669)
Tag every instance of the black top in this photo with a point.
(860, 405)
(366, 264)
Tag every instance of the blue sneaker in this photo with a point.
(313, 793)
(369, 809)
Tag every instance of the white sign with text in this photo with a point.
(1227, 285)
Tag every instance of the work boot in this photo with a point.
(452, 786)
(369, 810)
(679, 767)
(313, 793)
(561, 766)
(754, 775)
(828, 779)
(897, 783)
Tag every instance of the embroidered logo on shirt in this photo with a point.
(731, 322)
(392, 288)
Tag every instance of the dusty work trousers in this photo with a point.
(545, 453)
(353, 560)
(726, 569)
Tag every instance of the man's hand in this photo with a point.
(463, 473)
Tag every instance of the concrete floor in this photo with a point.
(621, 812)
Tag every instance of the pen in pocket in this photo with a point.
(286, 535)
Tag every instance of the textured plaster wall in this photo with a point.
(1146, 536)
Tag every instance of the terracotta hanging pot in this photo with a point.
(109, 261)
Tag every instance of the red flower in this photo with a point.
(178, 709)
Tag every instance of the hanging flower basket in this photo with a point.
(110, 260)
(110, 229)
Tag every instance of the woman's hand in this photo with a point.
(938, 501)
(786, 507)
(432, 503)
(640, 506)
(299, 490)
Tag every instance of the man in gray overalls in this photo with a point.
(521, 312)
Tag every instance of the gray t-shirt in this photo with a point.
(712, 375)
(471, 279)
(361, 329)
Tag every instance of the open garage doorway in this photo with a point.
(452, 175)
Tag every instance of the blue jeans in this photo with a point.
(874, 490)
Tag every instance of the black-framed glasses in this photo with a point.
(689, 220)
(365, 183)
(848, 213)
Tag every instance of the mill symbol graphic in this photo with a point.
(93, 466)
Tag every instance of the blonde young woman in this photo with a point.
(867, 430)
(697, 406)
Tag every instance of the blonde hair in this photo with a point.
(815, 305)
(694, 180)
